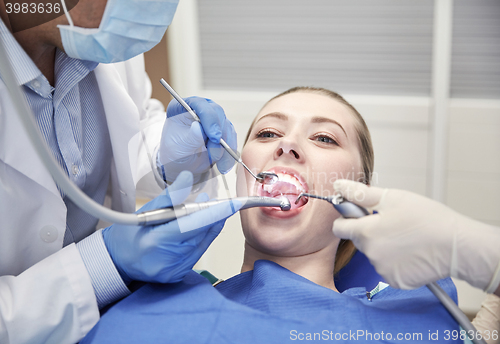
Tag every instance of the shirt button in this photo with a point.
(49, 233)
(35, 84)
(74, 170)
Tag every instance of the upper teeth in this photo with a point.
(287, 178)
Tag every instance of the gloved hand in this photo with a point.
(487, 320)
(165, 253)
(187, 145)
(414, 240)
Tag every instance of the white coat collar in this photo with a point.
(17, 149)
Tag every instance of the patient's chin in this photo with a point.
(272, 246)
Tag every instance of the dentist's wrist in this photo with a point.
(106, 280)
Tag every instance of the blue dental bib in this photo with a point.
(273, 305)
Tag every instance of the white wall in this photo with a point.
(404, 133)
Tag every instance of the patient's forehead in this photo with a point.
(304, 105)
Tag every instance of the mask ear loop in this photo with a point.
(70, 21)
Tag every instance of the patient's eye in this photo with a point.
(325, 139)
(267, 134)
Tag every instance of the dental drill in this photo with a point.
(159, 216)
(350, 210)
(265, 178)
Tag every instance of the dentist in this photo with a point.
(83, 76)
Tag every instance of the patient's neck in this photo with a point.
(316, 267)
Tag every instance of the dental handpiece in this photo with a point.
(262, 177)
(347, 209)
(159, 216)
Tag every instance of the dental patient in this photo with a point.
(288, 286)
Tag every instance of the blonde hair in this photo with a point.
(346, 248)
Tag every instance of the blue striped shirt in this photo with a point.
(72, 120)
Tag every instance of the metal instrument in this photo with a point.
(345, 208)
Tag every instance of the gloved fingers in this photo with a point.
(171, 196)
(344, 228)
(213, 233)
(188, 227)
(215, 152)
(180, 188)
(176, 111)
(355, 229)
(203, 197)
(181, 145)
(226, 162)
(207, 240)
(211, 115)
(359, 193)
(178, 115)
(204, 219)
(194, 140)
(201, 241)
(488, 317)
(193, 249)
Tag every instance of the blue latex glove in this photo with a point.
(166, 253)
(187, 145)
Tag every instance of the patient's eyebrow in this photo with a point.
(325, 119)
(277, 115)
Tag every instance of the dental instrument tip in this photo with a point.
(302, 194)
(267, 178)
(285, 204)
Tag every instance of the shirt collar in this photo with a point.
(28, 74)
(68, 72)
(23, 67)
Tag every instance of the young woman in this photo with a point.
(309, 137)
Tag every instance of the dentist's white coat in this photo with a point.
(52, 300)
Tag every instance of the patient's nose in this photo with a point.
(288, 149)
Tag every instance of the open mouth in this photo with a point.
(290, 185)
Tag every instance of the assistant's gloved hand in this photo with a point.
(414, 240)
(187, 145)
(487, 320)
(165, 253)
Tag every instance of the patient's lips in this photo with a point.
(290, 185)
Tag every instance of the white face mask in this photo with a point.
(128, 28)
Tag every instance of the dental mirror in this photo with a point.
(267, 178)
